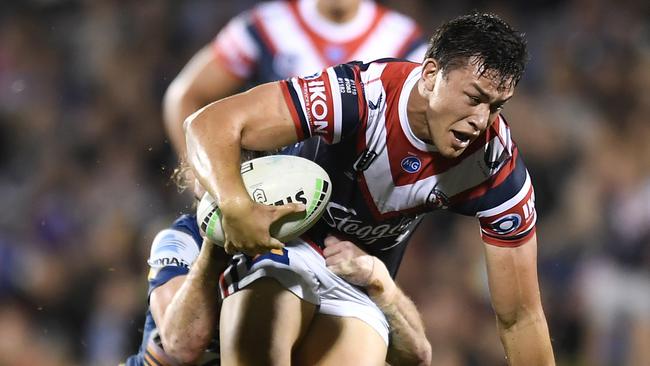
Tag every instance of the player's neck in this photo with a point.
(416, 112)
(338, 14)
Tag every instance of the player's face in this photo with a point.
(461, 104)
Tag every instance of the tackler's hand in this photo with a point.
(348, 261)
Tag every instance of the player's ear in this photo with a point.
(429, 71)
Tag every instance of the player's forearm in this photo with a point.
(213, 136)
(191, 317)
(409, 345)
(526, 340)
(408, 341)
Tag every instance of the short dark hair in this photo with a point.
(499, 50)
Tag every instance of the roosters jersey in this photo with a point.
(384, 178)
(279, 39)
(172, 253)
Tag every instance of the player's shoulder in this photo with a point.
(187, 223)
(500, 131)
(386, 70)
(390, 63)
(179, 243)
(183, 234)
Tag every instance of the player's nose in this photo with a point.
(479, 120)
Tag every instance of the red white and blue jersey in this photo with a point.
(385, 178)
(279, 39)
(172, 253)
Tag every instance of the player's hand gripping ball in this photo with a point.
(276, 180)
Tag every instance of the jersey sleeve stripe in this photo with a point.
(350, 115)
(479, 191)
(336, 103)
(295, 108)
(362, 106)
(494, 194)
(510, 223)
(511, 242)
(523, 232)
(151, 359)
(523, 192)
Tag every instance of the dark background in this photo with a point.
(85, 178)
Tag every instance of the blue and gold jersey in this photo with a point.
(172, 253)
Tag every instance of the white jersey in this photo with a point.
(279, 39)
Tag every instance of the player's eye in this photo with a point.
(474, 99)
(496, 108)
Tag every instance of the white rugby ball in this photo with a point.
(276, 180)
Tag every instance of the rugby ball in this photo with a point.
(275, 180)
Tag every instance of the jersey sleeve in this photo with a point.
(506, 212)
(236, 46)
(329, 104)
(172, 253)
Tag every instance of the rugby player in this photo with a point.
(400, 139)
(272, 41)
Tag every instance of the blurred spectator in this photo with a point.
(84, 177)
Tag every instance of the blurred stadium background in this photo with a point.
(85, 167)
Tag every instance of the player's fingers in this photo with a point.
(335, 268)
(229, 248)
(331, 240)
(344, 269)
(334, 259)
(331, 250)
(289, 208)
(274, 244)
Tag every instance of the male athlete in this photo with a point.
(184, 299)
(272, 41)
(402, 139)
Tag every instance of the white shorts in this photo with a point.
(302, 270)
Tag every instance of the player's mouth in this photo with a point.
(461, 139)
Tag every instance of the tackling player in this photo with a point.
(402, 139)
(181, 323)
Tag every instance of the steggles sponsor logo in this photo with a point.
(344, 219)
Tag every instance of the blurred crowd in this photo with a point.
(85, 178)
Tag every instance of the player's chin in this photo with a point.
(451, 152)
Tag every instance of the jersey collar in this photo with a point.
(410, 82)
